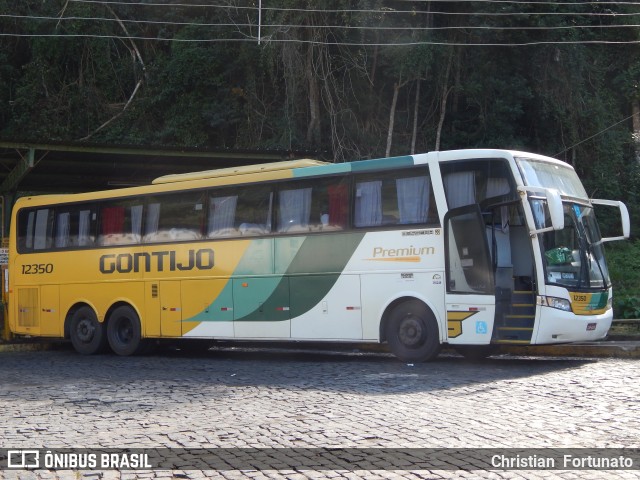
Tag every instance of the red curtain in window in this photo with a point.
(338, 202)
(112, 220)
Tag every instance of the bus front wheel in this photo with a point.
(412, 332)
(124, 331)
(86, 332)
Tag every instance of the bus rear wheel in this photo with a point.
(412, 332)
(86, 332)
(124, 331)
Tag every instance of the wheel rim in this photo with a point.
(411, 332)
(85, 330)
(124, 331)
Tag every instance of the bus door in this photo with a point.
(470, 297)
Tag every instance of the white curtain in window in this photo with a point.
(267, 227)
(30, 220)
(84, 223)
(368, 203)
(495, 188)
(136, 220)
(153, 217)
(41, 239)
(460, 188)
(62, 230)
(413, 199)
(295, 209)
(222, 214)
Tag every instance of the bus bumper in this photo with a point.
(557, 326)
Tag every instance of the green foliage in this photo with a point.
(322, 79)
(627, 307)
(623, 260)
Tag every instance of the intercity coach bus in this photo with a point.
(470, 248)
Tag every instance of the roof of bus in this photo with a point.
(242, 170)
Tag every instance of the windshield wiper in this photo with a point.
(587, 246)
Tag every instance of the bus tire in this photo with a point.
(124, 331)
(87, 334)
(412, 332)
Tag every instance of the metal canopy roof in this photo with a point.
(53, 168)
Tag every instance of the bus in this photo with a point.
(471, 249)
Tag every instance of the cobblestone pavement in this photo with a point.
(280, 398)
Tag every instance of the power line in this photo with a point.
(112, 20)
(333, 27)
(329, 43)
(597, 134)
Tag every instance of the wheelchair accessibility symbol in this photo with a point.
(481, 328)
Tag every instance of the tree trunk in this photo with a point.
(414, 133)
(443, 104)
(392, 117)
(313, 130)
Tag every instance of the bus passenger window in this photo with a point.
(174, 217)
(400, 198)
(294, 210)
(35, 230)
(120, 223)
(222, 215)
(338, 202)
(368, 204)
(253, 213)
(312, 205)
(74, 227)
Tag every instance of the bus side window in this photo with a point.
(338, 202)
(35, 230)
(253, 213)
(312, 205)
(175, 217)
(43, 235)
(120, 223)
(74, 227)
(294, 210)
(25, 230)
(402, 198)
(222, 215)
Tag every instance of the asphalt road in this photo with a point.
(237, 399)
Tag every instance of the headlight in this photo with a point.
(559, 303)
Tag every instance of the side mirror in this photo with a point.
(554, 205)
(624, 217)
(556, 210)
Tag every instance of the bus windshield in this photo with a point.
(574, 256)
(563, 178)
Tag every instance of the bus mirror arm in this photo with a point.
(624, 217)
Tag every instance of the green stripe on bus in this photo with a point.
(392, 162)
(312, 272)
(318, 254)
(357, 166)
